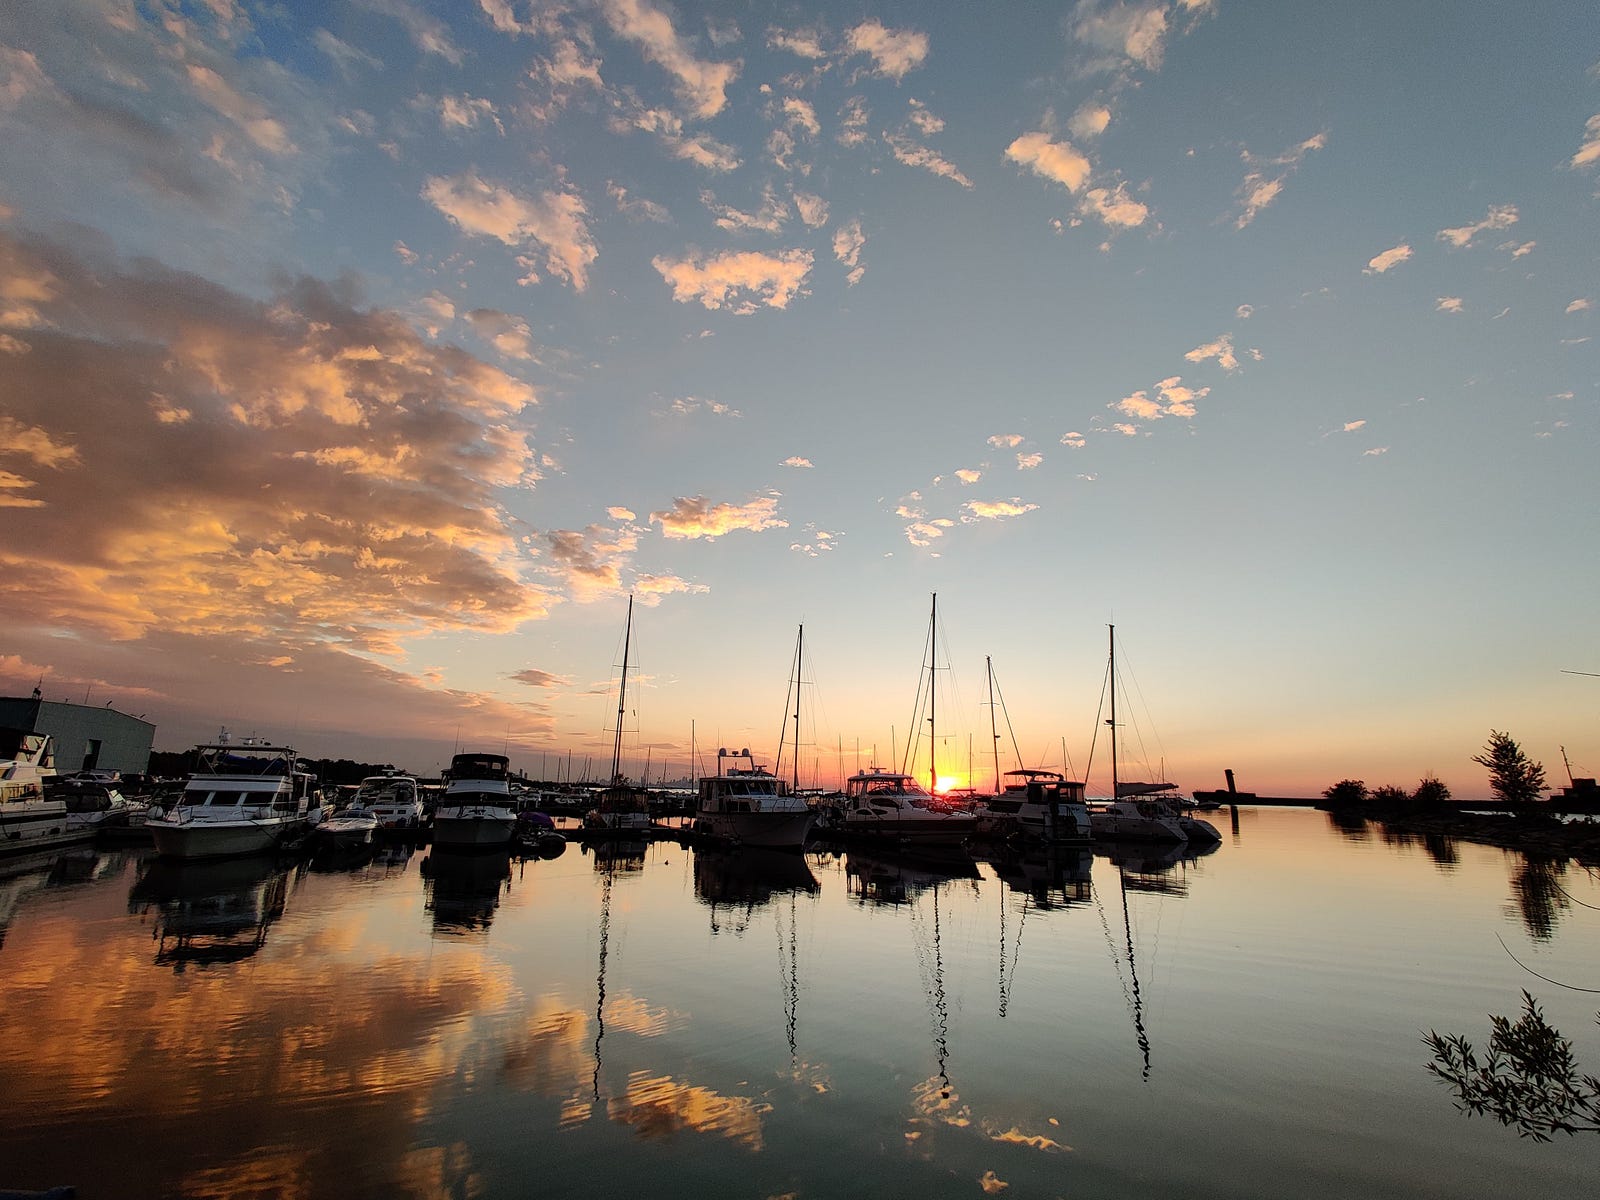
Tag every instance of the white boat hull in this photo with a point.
(474, 830)
(1131, 821)
(219, 839)
(39, 824)
(771, 830)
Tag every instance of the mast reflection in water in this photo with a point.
(255, 1028)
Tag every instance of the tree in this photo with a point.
(1528, 1079)
(1513, 776)
(1346, 791)
(1431, 791)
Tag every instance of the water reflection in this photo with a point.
(885, 877)
(1050, 877)
(462, 890)
(211, 913)
(1538, 894)
(22, 876)
(734, 883)
(1152, 867)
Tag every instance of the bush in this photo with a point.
(1391, 795)
(1431, 791)
(1346, 791)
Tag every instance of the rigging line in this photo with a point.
(1556, 883)
(1016, 954)
(1006, 713)
(1570, 987)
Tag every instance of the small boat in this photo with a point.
(1036, 805)
(393, 799)
(247, 797)
(537, 832)
(346, 830)
(751, 806)
(623, 810)
(476, 810)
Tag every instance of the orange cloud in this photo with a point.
(555, 220)
(740, 281)
(698, 517)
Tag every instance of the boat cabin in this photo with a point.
(739, 789)
(885, 785)
(479, 766)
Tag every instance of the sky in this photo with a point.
(360, 359)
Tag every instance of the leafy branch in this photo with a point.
(1528, 1078)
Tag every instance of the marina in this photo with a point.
(651, 1016)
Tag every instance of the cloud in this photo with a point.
(893, 52)
(923, 533)
(741, 281)
(795, 460)
(769, 218)
(1005, 441)
(1265, 180)
(1027, 462)
(1375, 452)
(1130, 33)
(1055, 161)
(466, 112)
(1352, 426)
(331, 476)
(700, 149)
(684, 406)
(907, 150)
(1074, 439)
(1500, 216)
(428, 32)
(1113, 207)
(994, 510)
(1582, 304)
(1517, 249)
(637, 208)
(1090, 121)
(968, 475)
(702, 84)
(813, 209)
(508, 334)
(698, 517)
(848, 242)
(1221, 350)
(1244, 312)
(617, 513)
(533, 677)
(652, 589)
(805, 43)
(554, 220)
(588, 563)
(1449, 304)
(1589, 151)
(1391, 257)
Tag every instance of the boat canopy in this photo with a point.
(479, 766)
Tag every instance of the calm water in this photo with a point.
(684, 1024)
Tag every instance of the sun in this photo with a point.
(950, 783)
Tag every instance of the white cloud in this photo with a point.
(968, 475)
(697, 517)
(555, 220)
(1449, 304)
(893, 52)
(1056, 161)
(813, 209)
(702, 84)
(739, 281)
(1265, 180)
(994, 510)
(1589, 151)
(1221, 350)
(1392, 257)
(796, 460)
(508, 334)
(848, 241)
(1006, 441)
(1074, 439)
(1114, 207)
(1579, 305)
(1500, 216)
(1352, 426)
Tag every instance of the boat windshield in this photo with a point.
(480, 799)
(885, 785)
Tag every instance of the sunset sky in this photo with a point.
(358, 359)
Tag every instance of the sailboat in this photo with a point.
(893, 804)
(1130, 819)
(1030, 804)
(624, 810)
(749, 805)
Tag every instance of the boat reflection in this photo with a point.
(462, 890)
(888, 878)
(617, 854)
(1051, 876)
(1150, 867)
(743, 880)
(212, 912)
(24, 875)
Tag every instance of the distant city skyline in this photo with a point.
(361, 359)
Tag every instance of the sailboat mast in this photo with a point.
(622, 697)
(994, 734)
(1113, 721)
(933, 691)
(799, 645)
